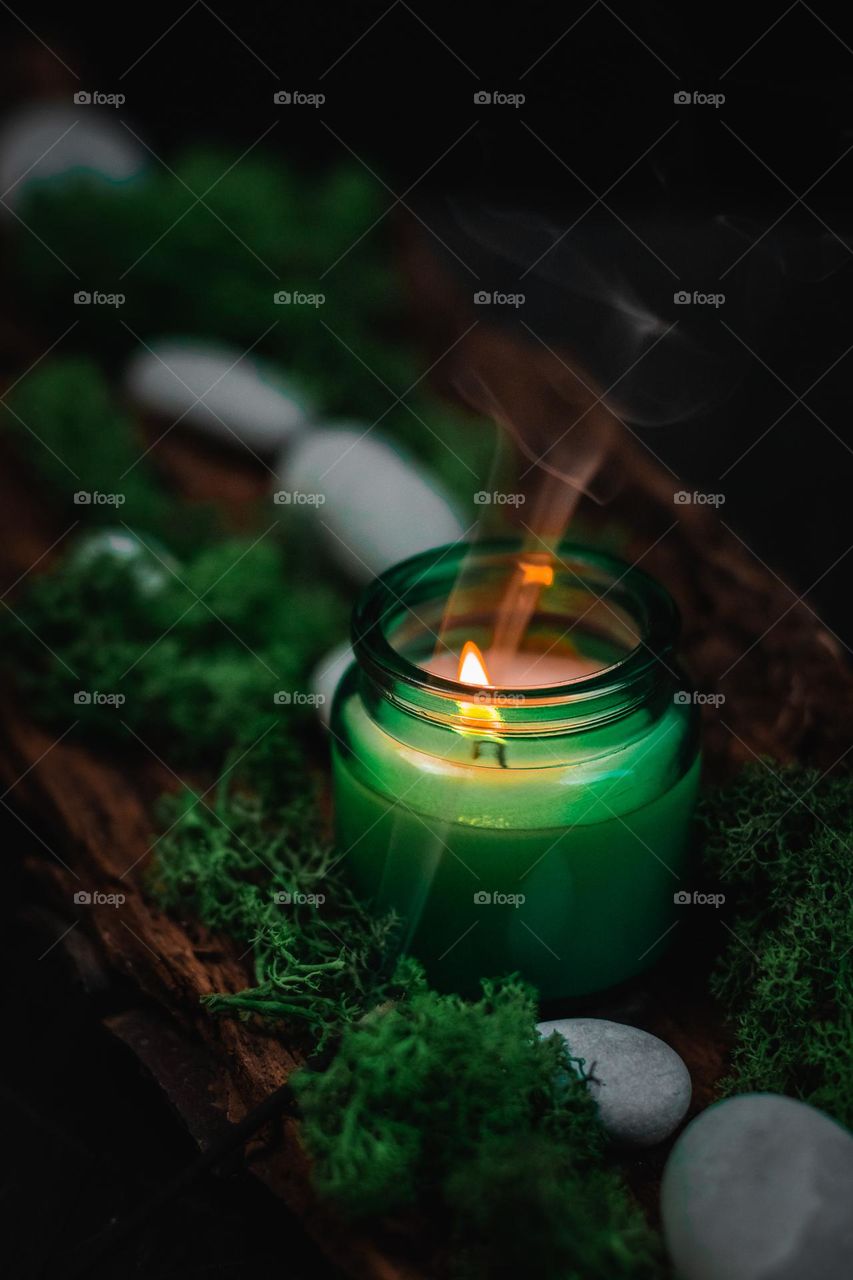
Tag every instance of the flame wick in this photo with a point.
(472, 666)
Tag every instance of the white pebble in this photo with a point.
(760, 1187)
(150, 564)
(217, 389)
(376, 505)
(52, 140)
(326, 677)
(641, 1085)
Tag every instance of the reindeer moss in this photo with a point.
(460, 1110)
(68, 426)
(780, 841)
(254, 868)
(198, 660)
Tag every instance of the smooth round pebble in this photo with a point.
(149, 564)
(217, 389)
(760, 1187)
(327, 675)
(51, 140)
(376, 506)
(641, 1085)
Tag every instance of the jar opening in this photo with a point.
(597, 637)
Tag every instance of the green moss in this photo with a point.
(68, 426)
(198, 660)
(461, 1110)
(780, 842)
(254, 868)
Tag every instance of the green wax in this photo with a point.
(564, 873)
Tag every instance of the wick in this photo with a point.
(501, 751)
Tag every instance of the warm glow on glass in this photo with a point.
(540, 574)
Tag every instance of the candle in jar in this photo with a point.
(538, 827)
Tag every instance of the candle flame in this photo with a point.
(472, 666)
(472, 670)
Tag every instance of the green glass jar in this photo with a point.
(540, 825)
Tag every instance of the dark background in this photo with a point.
(761, 182)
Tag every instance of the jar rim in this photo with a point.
(652, 608)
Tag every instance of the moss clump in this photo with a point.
(71, 431)
(198, 660)
(780, 841)
(462, 1111)
(254, 867)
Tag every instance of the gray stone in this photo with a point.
(49, 141)
(641, 1085)
(376, 506)
(149, 563)
(241, 400)
(760, 1187)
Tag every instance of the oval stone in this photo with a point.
(760, 1187)
(217, 389)
(641, 1085)
(50, 141)
(376, 506)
